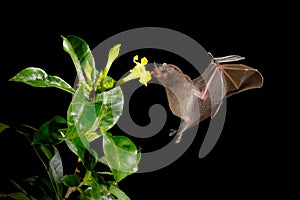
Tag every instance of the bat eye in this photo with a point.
(163, 71)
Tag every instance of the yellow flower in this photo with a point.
(139, 71)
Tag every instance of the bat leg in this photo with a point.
(179, 136)
(182, 128)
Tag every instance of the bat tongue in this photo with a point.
(154, 73)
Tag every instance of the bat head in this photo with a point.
(166, 73)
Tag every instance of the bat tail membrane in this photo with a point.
(215, 110)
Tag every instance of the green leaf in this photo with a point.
(49, 133)
(112, 55)
(107, 84)
(118, 193)
(39, 78)
(90, 159)
(92, 135)
(42, 187)
(103, 160)
(96, 190)
(112, 107)
(31, 180)
(17, 196)
(87, 179)
(51, 157)
(47, 188)
(85, 117)
(46, 151)
(56, 172)
(18, 187)
(80, 147)
(119, 175)
(82, 58)
(27, 131)
(82, 115)
(3, 127)
(83, 196)
(71, 145)
(71, 180)
(121, 155)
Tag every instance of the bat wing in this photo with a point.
(239, 78)
(220, 81)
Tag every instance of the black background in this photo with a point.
(249, 160)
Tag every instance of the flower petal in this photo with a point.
(144, 61)
(146, 77)
(136, 71)
(135, 58)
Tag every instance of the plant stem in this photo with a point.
(69, 192)
(72, 189)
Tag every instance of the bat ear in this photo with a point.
(155, 67)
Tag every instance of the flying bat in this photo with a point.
(200, 98)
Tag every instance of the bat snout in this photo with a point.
(153, 73)
(156, 71)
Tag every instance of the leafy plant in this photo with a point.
(95, 108)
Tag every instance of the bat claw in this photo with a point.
(172, 132)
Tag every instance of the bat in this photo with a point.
(195, 100)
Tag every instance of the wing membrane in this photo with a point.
(239, 78)
(219, 81)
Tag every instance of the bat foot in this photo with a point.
(178, 139)
(172, 132)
